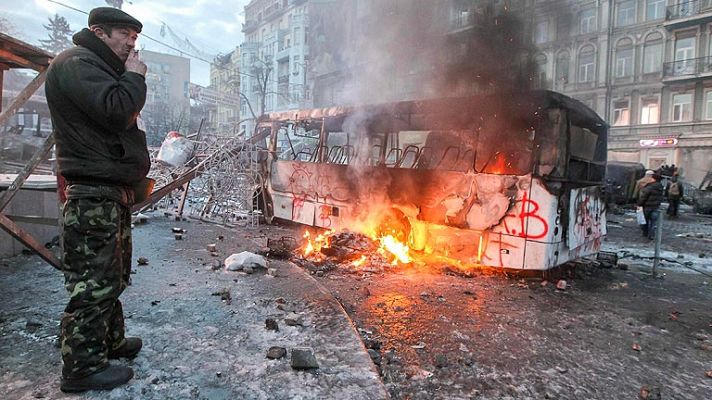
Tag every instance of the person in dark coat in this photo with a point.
(650, 198)
(639, 185)
(673, 192)
(95, 92)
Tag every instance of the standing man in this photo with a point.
(639, 185)
(674, 193)
(650, 198)
(95, 92)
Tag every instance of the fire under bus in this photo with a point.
(501, 181)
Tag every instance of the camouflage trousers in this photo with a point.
(96, 260)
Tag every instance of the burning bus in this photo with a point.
(500, 181)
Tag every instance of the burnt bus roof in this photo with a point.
(522, 105)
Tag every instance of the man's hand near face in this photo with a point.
(134, 64)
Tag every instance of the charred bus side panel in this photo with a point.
(475, 181)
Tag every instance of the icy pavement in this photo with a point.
(686, 241)
(199, 341)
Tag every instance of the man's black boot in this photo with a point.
(106, 379)
(129, 350)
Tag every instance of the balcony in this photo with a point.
(682, 70)
(299, 20)
(283, 54)
(687, 13)
(249, 26)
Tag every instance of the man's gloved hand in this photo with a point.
(134, 64)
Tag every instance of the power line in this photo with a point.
(211, 63)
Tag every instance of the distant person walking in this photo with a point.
(674, 193)
(639, 185)
(650, 198)
(95, 92)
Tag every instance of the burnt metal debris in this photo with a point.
(222, 182)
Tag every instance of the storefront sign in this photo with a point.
(658, 142)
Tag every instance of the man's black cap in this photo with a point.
(113, 16)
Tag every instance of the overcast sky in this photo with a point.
(213, 26)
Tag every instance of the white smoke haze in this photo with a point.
(392, 50)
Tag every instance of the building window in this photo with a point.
(587, 21)
(653, 53)
(586, 64)
(655, 9)
(624, 58)
(621, 113)
(682, 107)
(649, 111)
(684, 56)
(685, 49)
(562, 67)
(625, 14)
(708, 105)
(541, 33)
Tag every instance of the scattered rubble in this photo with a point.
(224, 295)
(271, 324)
(441, 361)
(212, 247)
(245, 261)
(650, 393)
(293, 319)
(303, 358)
(375, 356)
(276, 352)
(282, 248)
(561, 284)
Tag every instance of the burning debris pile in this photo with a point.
(359, 253)
(351, 251)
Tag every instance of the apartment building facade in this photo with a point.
(274, 58)
(222, 97)
(167, 105)
(643, 65)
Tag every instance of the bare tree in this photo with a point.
(161, 118)
(261, 70)
(59, 34)
(260, 73)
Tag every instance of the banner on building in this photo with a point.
(210, 96)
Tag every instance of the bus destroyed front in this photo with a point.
(464, 183)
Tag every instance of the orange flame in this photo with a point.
(500, 165)
(389, 247)
(314, 246)
(359, 262)
(397, 249)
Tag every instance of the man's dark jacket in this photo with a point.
(651, 196)
(94, 103)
